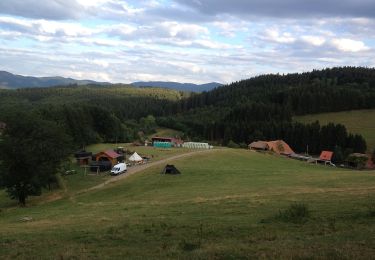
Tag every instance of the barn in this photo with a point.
(109, 155)
(278, 146)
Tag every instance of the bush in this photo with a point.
(296, 213)
(357, 160)
(232, 144)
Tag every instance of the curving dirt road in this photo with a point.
(139, 168)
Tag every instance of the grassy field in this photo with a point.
(356, 121)
(167, 132)
(226, 204)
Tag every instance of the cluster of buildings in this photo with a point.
(355, 160)
(105, 160)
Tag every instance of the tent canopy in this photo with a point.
(170, 169)
(135, 157)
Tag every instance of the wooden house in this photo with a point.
(109, 155)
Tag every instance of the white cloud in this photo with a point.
(314, 40)
(276, 36)
(349, 45)
(125, 41)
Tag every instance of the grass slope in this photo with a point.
(357, 121)
(224, 205)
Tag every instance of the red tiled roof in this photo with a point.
(326, 156)
(280, 147)
(111, 154)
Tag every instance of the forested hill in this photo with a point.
(179, 86)
(262, 108)
(258, 108)
(91, 113)
(327, 90)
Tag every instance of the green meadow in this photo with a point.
(226, 204)
(356, 121)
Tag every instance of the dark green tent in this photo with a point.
(170, 169)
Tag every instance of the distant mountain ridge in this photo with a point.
(178, 86)
(13, 81)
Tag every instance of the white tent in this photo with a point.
(194, 145)
(135, 157)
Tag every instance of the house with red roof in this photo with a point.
(109, 155)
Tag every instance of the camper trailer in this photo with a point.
(118, 169)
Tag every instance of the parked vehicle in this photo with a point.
(118, 169)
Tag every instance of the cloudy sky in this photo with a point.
(183, 40)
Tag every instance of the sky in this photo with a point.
(196, 41)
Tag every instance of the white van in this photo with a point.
(118, 169)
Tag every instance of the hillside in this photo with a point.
(356, 121)
(225, 204)
(257, 108)
(262, 107)
(12, 81)
(92, 114)
(178, 86)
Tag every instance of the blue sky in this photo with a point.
(183, 40)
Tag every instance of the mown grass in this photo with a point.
(222, 206)
(357, 121)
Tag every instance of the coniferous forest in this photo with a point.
(254, 109)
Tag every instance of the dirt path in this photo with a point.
(140, 168)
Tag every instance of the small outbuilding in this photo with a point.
(170, 169)
(324, 158)
(83, 157)
(109, 155)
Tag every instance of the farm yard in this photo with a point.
(225, 204)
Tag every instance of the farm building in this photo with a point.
(195, 145)
(83, 157)
(109, 155)
(278, 146)
(324, 158)
(166, 142)
(259, 146)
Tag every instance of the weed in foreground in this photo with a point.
(297, 213)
